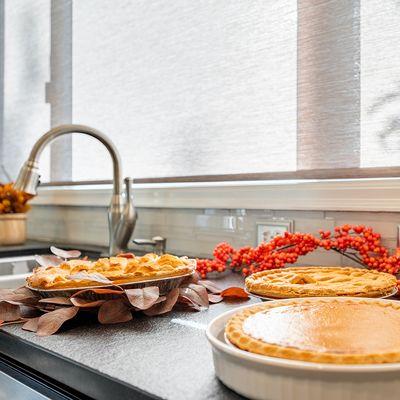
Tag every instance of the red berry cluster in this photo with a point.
(222, 254)
(286, 249)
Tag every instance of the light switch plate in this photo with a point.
(267, 230)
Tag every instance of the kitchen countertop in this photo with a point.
(165, 357)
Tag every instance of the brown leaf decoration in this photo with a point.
(29, 312)
(182, 299)
(65, 253)
(235, 293)
(194, 295)
(9, 312)
(202, 292)
(48, 261)
(161, 299)
(113, 312)
(143, 298)
(210, 286)
(194, 278)
(5, 292)
(214, 298)
(26, 291)
(51, 322)
(165, 306)
(19, 299)
(93, 277)
(59, 301)
(18, 321)
(31, 325)
(84, 303)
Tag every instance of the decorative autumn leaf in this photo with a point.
(194, 278)
(210, 286)
(201, 291)
(235, 293)
(114, 312)
(5, 292)
(214, 298)
(29, 312)
(26, 291)
(165, 306)
(31, 325)
(189, 296)
(144, 298)
(84, 303)
(65, 253)
(189, 303)
(51, 322)
(48, 260)
(60, 301)
(9, 312)
(126, 255)
(161, 299)
(18, 321)
(85, 276)
(19, 299)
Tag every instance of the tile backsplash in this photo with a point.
(195, 232)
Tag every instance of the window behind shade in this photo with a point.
(205, 90)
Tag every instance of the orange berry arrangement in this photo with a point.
(13, 201)
(357, 242)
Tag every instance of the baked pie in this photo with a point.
(323, 330)
(116, 269)
(320, 281)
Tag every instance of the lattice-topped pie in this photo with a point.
(320, 281)
(325, 330)
(116, 269)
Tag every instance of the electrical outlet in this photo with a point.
(267, 230)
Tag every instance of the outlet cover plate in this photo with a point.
(267, 230)
(398, 235)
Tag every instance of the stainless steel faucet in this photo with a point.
(157, 242)
(121, 214)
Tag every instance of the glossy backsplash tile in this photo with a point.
(196, 231)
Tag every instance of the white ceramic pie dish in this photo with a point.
(268, 378)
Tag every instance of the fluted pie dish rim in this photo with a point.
(320, 281)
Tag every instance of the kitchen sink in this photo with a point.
(14, 267)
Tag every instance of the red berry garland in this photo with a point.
(357, 242)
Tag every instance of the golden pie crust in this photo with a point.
(320, 281)
(117, 269)
(322, 330)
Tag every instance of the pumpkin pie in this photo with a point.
(322, 330)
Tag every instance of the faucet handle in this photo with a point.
(157, 242)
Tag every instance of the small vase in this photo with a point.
(12, 229)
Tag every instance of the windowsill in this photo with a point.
(339, 195)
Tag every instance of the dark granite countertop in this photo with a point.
(164, 357)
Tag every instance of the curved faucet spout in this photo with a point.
(61, 130)
(122, 217)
